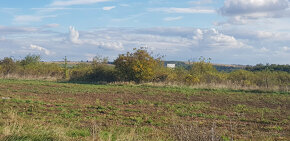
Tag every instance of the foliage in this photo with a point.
(29, 67)
(93, 73)
(272, 67)
(203, 71)
(201, 67)
(97, 71)
(241, 77)
(7, 66)
(30, 59)
(224, 68)
(138, 66)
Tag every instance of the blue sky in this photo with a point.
(228, 31)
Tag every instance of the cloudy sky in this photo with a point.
(228, 31)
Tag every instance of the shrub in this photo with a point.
(204, 72)
(8, 65)
(30, 59)
(93, 73)
(138, 66)
(241, 77)
(30, 66)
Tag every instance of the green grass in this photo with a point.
(45, 110)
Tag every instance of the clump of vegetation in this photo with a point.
(29, 67)
(7, 66)
(272, 67)
(139, 66)
(30, 60)
(97, 71)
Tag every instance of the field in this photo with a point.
(43, 110)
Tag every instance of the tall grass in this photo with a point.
(15, 128)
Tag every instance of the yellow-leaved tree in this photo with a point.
(138, 66)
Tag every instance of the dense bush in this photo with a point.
(93, 73)
(138, 66)
(7, 66)
(204, 72)
(30, 59)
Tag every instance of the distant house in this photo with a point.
(170, 65)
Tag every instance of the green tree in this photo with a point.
(137, 66)
(30, 59)
(7, 65)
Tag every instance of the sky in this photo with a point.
(244, 32)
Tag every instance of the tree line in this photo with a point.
(139, 66)
(272, 67)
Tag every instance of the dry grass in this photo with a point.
(211, 86)
(30, 77)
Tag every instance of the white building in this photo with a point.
(170, 65)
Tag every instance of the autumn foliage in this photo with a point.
(137, 66)
(140, 66)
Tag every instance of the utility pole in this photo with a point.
(65, 68)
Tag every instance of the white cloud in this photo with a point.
(53, 25)
(200, 2)
(192, 10)
(223, 46)
(258, 35)
(115, 45)
(74, 38)
(9, 29)
(213, 39)
(263, 49)
(76, 2)
(253, 7)
(109, 8)
(23, 19)
(285, 48)
(265, 34)
(27, 18)
(124, 5)
(247, 11)
(74, 35)
(173, 18)
(39, 48)
(128, 18)
(2, 38)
